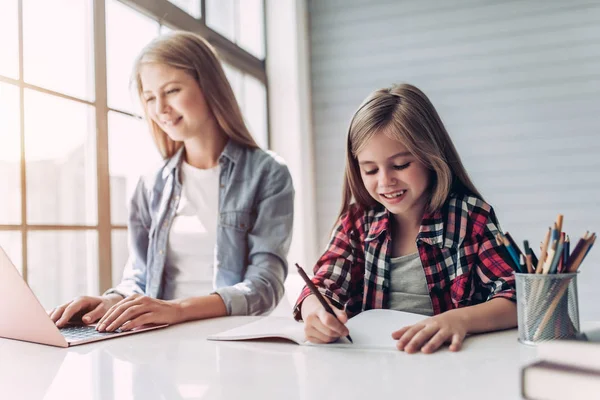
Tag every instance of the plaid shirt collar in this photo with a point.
(431, 231)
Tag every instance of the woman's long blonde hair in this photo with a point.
(404, 113)
(191, 53)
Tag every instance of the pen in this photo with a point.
(318, 294)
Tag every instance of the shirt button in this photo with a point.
(222, 186)
(161, 252)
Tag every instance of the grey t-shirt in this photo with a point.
(408, 288)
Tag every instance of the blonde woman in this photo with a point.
(413, 233)
(210, 230)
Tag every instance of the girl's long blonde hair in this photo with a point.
(404, 113)
(191, 53)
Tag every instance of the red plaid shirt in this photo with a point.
(463, 263)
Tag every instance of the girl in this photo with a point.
(413, 233)
(210, 230)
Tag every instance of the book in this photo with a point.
(545, 380)
(566, 369)
(371, 329)
(574, 353)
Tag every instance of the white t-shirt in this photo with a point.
(189, 266)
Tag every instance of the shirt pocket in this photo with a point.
(237, 220)
(232, 239)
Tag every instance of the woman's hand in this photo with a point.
(431, 333)
(137, 310)
(92, 308)
(319, 325)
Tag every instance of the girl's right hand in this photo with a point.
(319, 325)
(92, 307)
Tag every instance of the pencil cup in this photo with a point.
(547, 307)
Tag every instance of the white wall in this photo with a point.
(517, 84)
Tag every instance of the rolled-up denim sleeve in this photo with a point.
(268, 245)
(134, 273)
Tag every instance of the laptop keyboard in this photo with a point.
(77, 333)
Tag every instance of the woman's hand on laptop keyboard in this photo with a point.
(137, 310)
(87, 309)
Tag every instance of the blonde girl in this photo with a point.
(413, 234)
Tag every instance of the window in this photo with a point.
(60, 104)
(241, 21)
(251, 95)
(11, 244)
(221, 17)
(9, 44)
(68, 259)
(60, 155)
(191, 7)
(10, 150)
(255, 108)
(53, 56)
(127, 32)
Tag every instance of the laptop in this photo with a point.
(22, 316)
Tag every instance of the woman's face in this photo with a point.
(393, 176)
(174, 101)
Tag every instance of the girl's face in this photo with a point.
(393, 176)
(174, 101)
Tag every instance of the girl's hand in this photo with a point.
(89, 308)
(319, 325)
(431, 333)
(137, 310)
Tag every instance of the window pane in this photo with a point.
(124, 134)
(60, 151)
(120, 252)
(11, 244)
(165, 29)
(58, 46)
(251, 27)
(234, 76)
(10, 155)
(255, 109)
(220, 16)
(69, 260)
(127, 32)
(9, 45)
(191, 7)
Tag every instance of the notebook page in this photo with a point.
(266, 327)
(372, 329)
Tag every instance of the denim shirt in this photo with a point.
(254, 229)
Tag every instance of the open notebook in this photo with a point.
(369, 329)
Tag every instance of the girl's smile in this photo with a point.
(393, 176)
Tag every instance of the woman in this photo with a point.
(209, 231)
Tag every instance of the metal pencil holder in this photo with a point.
(547, 307)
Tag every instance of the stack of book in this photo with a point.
(566, 369)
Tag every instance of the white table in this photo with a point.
(179, 363)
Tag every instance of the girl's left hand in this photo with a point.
(137, 310)
(431, 333)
